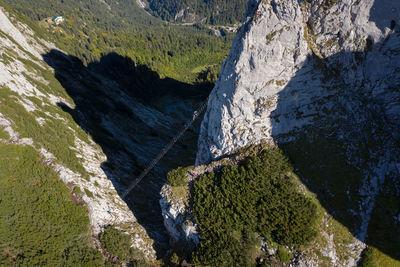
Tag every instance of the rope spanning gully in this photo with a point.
(165, 149)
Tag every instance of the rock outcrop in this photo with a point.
(314, 70)
(178, 219)
(277, 49)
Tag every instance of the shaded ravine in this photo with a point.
(132, 114)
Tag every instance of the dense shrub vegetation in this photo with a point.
(177, 176)
(239, 204)
(215, 11)
(118, 244)
(40, 225)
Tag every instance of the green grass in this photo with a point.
(77, 190)
(181, 193)
(39, 224)
(89, 193)
(6, 59)
(283, 254)
(199, 69)
(53, 87)
(373, 257)
(177, 176)
(55, 135)
(18, 45)
(4, 134)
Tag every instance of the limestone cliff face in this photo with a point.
(309, 49)
(315, 70)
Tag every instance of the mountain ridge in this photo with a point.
(320, 79)
(32, 118)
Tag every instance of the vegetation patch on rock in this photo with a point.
(177, 177)
(118, 244)
(239, 206)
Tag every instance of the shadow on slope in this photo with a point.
(132, 114)
(347, 149)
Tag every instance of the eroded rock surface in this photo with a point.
(277, 51)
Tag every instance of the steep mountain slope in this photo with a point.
(320, 79)
(42, 146)
(131, 114)
(99, 123)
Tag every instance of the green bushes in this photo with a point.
(118, 244)
(77, 190)
(55, 135)
(283, 254)
(383, 230)
(39, 224)
(177, 176)
(237, 205)
(4, 134)
(89, 193)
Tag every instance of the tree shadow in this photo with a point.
(347, 135)
(132, 114)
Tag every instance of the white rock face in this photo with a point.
(177, 220)
(22, 35)
(271, 56)
(250, 78)
(297, 65)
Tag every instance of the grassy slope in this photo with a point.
(41, 221)
(40, 225)
(384, 235)
(336, 182)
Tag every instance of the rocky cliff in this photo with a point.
(296, 53)
(321, 79)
